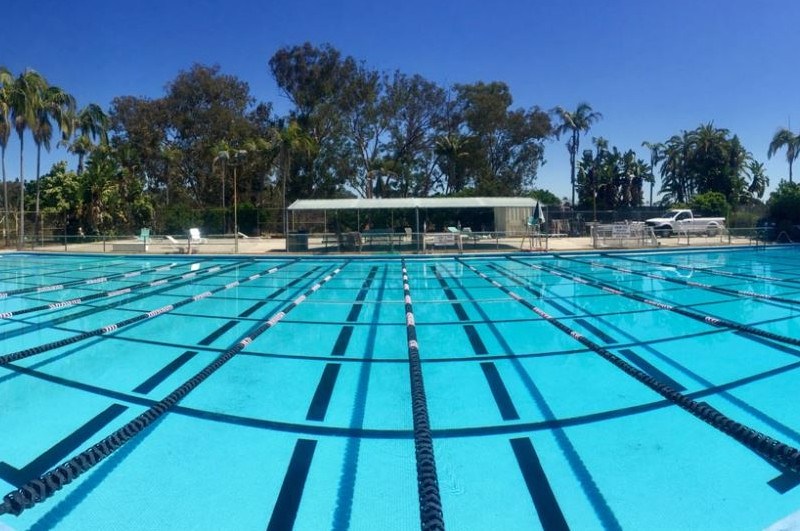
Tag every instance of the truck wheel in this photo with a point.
(712, 230)
(665, 232)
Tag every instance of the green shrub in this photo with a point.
(710, 204)
(784, 204)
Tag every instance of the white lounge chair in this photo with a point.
(194, 236)
(175, 245)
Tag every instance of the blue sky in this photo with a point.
(652, 69)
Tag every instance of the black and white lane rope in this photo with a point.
(713, 271)
(33, 351)
(113, 293)
(85, 282)
(773, 450)
(692, 283)
(719, 322)
(430, 502)
(42, 488)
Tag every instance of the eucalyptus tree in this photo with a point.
(362, 107)
(785, 139)
(173, 137)
(574, 124)
(415, 110)
(509, 142)
(6, 82)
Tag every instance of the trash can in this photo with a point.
(297, 241)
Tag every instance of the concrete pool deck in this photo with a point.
(318, 245)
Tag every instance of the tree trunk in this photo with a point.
(21, 242)
(5, 196)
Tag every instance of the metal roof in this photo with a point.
(412, 202)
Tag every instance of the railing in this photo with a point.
(623, 236)
(602, 236)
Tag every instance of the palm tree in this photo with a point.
(451, 150)
(575, 123)
(90, 125)
(222, 154)
(24, 103)
(656, 155)
(784, 138)
(6, 81)
(758, 179)
(287, 140)
(53, 104)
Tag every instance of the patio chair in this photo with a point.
(175, 245)
(195, 237)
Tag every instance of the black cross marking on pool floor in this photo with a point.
(287, 504)
(547, 508)
(59, 451)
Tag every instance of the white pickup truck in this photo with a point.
(683, 222)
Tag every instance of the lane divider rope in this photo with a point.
(90, 281)
(26, 353)
(110, 294)
(42, 488)
(697, 316)
(769, 448)
(430, 502)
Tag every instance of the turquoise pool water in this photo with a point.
(308, 422)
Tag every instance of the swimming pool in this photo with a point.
(554, 391)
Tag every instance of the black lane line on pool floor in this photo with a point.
(161, 285)
(22, 354)
(766, 447)
(598, 502)
(324, 392)
(60, 450)
(165, 372)
(787, 479)
(286, 506)
(56, 453)
(536, 480)
(285, 511)
(345, 493)
(430, 502)
(502, 398)
(391, 434)
(42, 488)
(322, 396)
(213, 336)
(550, 515)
